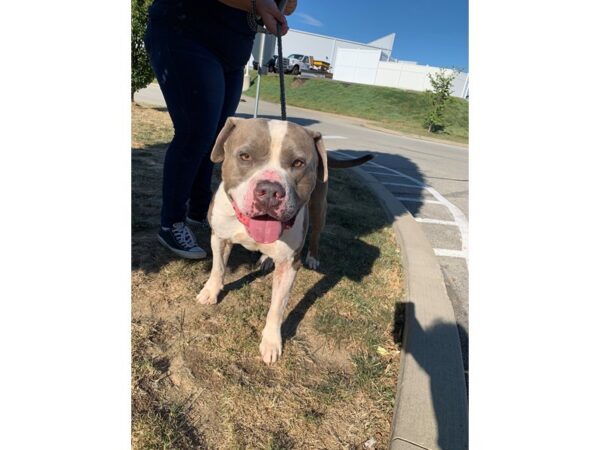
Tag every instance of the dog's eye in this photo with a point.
(245, 156)
(298, 163)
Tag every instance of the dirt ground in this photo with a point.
(197, 377)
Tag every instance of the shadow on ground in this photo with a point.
(413, 177)
(448, 398)
(413, 174)
(343, 253)
(303, 121)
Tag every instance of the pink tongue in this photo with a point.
(265, 231)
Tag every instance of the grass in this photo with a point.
(395, 109)
(197, 377)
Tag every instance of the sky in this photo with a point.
(433, 32)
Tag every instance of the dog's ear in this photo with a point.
(218, 152)
(322, 171)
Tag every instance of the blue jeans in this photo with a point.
(201, 92)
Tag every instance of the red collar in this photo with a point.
(245, 220)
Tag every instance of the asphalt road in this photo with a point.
(430, 178)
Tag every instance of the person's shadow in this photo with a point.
(303, 121)
(435, 349)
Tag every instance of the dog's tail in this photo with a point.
(334, 163)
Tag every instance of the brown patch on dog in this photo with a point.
(237, 136)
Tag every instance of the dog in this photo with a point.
(274, 183)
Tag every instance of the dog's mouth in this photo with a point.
(264, 228)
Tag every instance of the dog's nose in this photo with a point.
(269, 194)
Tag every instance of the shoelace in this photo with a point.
(184, 236)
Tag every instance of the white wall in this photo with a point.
(402, 75)
(319, 47)
(356, 66)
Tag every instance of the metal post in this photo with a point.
(260, 67)
(246, 84)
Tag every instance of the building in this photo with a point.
(320, 47)
(356, 62)
(325, 48)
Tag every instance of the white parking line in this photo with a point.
(372, 172)
(418, 200)
(412, 185)
(435, 221)
(334, 137)
(450, 253)
(457, 214)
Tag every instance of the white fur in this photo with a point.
(311, 262)
(277, 130)
(226, 226)
(283, 279)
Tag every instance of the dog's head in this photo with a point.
(270, 168)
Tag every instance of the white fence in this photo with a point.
(357, 66)
(365, 66)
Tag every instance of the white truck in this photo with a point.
(298, 63)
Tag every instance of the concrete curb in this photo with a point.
(431, 408)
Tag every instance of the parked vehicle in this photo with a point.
(321, 66)
(298, 63)
(273, 65)
(304, 63)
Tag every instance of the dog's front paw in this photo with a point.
(270, 347)
(208, 295)
(311, 263)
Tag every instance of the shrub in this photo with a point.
(442, 84)
(141, 71)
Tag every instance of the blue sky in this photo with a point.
(433, 32)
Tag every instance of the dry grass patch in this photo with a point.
(198, 379)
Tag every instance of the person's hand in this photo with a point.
(270, 14)
(290, 7)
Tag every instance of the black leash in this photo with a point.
(254, 25)
(281, 79)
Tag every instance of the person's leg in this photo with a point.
(193, 85)
(201, 193)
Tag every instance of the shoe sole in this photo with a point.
(182, 253)
(196, 223)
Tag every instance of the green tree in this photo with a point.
(141, 71)
(439, 97)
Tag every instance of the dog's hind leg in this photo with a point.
(221, 249)
(265, 263)
(317, 215)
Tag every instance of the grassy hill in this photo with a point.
(390, 108)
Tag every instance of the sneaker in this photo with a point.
(202, 224)
(180, 240)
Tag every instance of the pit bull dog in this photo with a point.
(274, 182)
